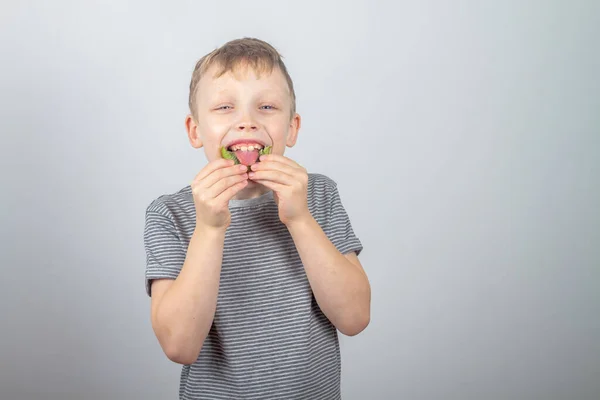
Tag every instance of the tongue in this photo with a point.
(247, 157)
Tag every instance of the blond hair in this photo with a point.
(249, 52)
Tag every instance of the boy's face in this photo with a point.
(240, 107)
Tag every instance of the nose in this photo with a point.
(247, 126)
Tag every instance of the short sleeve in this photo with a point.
(165, 254)
(339, 228)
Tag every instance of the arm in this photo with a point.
(183, 309)
(339, 282)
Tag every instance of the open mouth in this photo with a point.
(245, 147)
(245, 153)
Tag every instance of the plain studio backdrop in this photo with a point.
(464, 137)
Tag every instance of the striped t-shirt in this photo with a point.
(269, 338)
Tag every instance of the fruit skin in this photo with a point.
(266, 150)
(229, 155)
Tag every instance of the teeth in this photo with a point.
(246, 148)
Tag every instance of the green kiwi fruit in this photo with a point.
(230, 155)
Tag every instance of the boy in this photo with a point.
(252, 267)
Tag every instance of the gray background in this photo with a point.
(464, 137)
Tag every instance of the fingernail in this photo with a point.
(243, 168)
(251, 175)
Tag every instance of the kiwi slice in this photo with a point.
(265, 150)
(230, 155)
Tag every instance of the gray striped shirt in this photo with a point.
(269, 338)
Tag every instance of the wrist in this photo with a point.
(301, 222)
(207, 230)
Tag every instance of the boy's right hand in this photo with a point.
(212, 189)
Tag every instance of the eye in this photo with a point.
(267, 107)
(223, 108)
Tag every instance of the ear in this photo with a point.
(293, 130)
(191, 127)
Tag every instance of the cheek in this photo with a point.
(278, 127)
(214, 129)
(279, 135)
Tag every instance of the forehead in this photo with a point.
(241, 77)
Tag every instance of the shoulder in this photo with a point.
(322, 196)
(171, 205)
(320, 183)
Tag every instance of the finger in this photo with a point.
(281, 159)
(275, 165)
(231, 191)
(223, 173)
(222, 185)
(273, 176)
(211, 167)
(277, 187)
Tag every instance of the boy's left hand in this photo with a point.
(289, 182)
